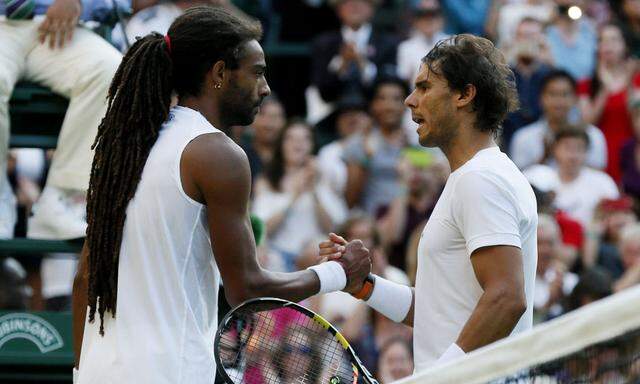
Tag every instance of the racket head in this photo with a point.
(274, 341)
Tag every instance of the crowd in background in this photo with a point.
(348, 161)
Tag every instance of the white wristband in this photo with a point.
(332, 276)
(76, 373)
(391, 299)
(452, 353)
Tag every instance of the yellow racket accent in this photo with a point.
(326, 325)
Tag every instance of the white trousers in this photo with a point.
(81, 71)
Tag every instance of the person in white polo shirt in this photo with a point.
(477, 254)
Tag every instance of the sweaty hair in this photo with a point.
(465, 60)
(138, 103)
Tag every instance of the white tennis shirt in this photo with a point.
(485, 202)
(167, 304)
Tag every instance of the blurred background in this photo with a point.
(334, 149)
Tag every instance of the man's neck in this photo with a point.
(466, 144)
(207, 109)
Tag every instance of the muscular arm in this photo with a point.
(79, 303)
(499, 272)
(220, 172)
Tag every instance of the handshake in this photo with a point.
(352, 256)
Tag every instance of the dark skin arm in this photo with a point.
(79, 303)
(499, 272)
(225, 190)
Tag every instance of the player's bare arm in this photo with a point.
(216, 172)
(499, 273)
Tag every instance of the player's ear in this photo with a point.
(217, 73)
(466, 96)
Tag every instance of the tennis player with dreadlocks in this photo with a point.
(168, 191)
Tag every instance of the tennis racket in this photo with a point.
(274, 341)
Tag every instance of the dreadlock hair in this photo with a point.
(138, 103)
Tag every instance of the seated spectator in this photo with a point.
(531, 144)
(76, 63)
(630, 152)
(349, 60)
(604, 234)
(528, 56)
(158, 18)
(581, 188)
(291, 198)
(372, 156)
(593, 284)
(428, 25)
(505, 17)
(351, 118)
(421, 188)
(263, 135)
(553, 281)
(466, 16)
(630, 255)
(572, 42)
(395, 360)
(603, 98)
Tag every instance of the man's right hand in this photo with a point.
(355, 260)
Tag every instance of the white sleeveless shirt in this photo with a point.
(166, 315)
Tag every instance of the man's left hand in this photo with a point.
(60, 23)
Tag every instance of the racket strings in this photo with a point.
(282, 346)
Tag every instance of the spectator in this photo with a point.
(630, 255)
(603, 99)
(395, 360)
(75, 63)
(14, 292)
(553, 281)
(351, 118)
(531, 144)
(428, 25)
(372, 156)
(572, 42)
(593, 284)
(466, 16)
(528, 55)
(604, 235)
(158, 18)
(349, 60)
(421, 187)
(291, 198)
(628, 12)
(264, 133)
(581, 188)
(505, 17)
(630, 152)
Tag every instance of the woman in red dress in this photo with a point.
(603, 99)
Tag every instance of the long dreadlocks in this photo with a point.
(138, 103)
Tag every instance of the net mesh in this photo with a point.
(281, 345)
(599, 343)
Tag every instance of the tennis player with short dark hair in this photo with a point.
(168, 191)
(477, 254)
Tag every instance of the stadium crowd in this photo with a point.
(348, 160)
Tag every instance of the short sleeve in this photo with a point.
(486, 212)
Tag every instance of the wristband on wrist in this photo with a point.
(390, 299)
(367, 288)
(331, 275)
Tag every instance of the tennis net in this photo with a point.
(599, 343)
